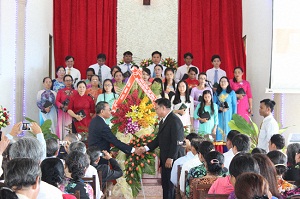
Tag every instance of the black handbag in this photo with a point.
(240, 91)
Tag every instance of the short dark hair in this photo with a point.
(279, 160)
(163, 102)
(241, 142)
(205, 147)
(278, 140)
(214, 162)
(188, 54)
(101, 56)
(68, 76)
(69, 57)
(46, 78)
(100, 106)
(90, 69)
(59, 67)
(52, 171)
(291, 151)
(156, 52)
(269, 103)
(241, 163)
(51, 147)
(81, 82)
(21, 172)
(192, 136)
(117, 67)
(94, 153)
(231, 134)
(258, 150)
(215, 57)
(127, 53)
(77, 162)
(194, 69)
(196, 143)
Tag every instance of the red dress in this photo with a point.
(85, 103)
(192, 82)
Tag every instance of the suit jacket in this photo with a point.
(100, 135)
(169, 133)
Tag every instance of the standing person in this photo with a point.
(207, 113)
(192, 78)
(169, 133)
(169, 84)
(113, 70)
(70, 70)
(81, 108)
(46, 103)
(100, 134)
(102, 70)
(62, 101)
(226, 101)
(269, 126)
(156, 58)
(197, 92)
(184, 69)
(243, 93)
(89, 73)
(146, 76)
(119, 84)
(94, 91)
(214, 74)
(158, 70)
(58, 83)
(182, 104)
(127, 58)
(158, 88)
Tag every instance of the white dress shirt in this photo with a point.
(124, 67)
(151, 68)
(47, 191)
(180, 162)
(105, 71)
(75, 73)
(90, 171)
(183, 70)
(268, 128)
(187, 167)
(211, 74)
(228, 157)
(186, 118)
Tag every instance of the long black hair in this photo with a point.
(177, 94)
(166, 81)
(238, 67)
(202, 103)
(112, 90)
(220, 89)
(158, 80)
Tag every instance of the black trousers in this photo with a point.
(167, 185)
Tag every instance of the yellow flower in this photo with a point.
(223, 97)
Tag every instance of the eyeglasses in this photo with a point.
(108, 85)
(68, 80)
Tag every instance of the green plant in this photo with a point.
(45, 128)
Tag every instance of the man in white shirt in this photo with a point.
(269, 126)
(102, 70)
(127, 58)
(156, 58)
(214, 74)
(184, 69)
(202, 148)
(70, 70)
(276, 143)
(229, 154)
(189, 155)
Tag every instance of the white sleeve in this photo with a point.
(41, 139)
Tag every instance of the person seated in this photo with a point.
(77, 163)
(258, 150)
(52, 148)
(240, 163)
(252, 185)
(107, 173)
(53, 173)
(22, 178)
(180, 161)
(277, 142)
(214, 163)
(279, 160)
(240, 143)
(229, 154)
(64, 147)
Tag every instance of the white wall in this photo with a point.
(143, 29)
(257, 26)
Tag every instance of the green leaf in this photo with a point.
(233, 126)
(242, 124)
(148, 168)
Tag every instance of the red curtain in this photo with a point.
(208, 27)
(84, 29)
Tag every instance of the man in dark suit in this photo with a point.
(169, 133)
(100, 134)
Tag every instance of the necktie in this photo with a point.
(69, 71)
(100, 77)
(153, 75)
(128, 67)
(160, 123)
(216, 76)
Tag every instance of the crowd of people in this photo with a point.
(202, 101)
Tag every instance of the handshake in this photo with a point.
(140, 150)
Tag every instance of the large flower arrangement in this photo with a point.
(122, 62)
(169, 63)
(146, 63)
(133, 123)
(4, 117)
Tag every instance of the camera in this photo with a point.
(65, 103)
(101, 154)
(25, 126)
(63, 143)
(181, 143)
